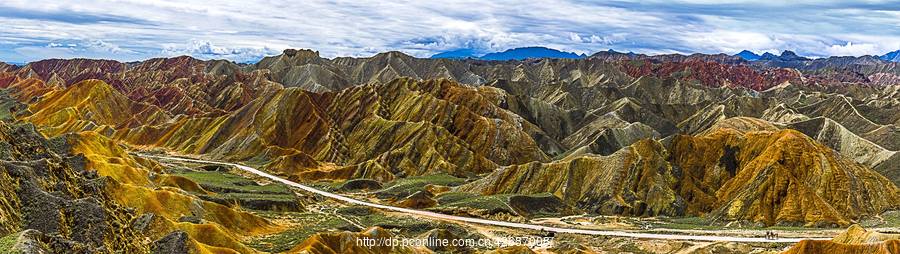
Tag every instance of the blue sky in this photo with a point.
(246, 30)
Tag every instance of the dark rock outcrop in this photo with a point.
(177, 242)
(49, 193)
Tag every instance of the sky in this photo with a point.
(245, 31)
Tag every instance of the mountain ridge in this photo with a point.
(733, 143)
(893, 56)
(509, 54)
(748, 55)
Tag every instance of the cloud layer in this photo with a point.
(247, 30)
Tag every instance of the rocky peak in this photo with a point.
(302, 53)
(748, 55)
(893, 56)
(393, 54)
(785, 56)
(788, 55)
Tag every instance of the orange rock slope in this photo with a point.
(634, 181)
(397, 127)
(90, 105)
(222, 227)
(770, 177)
(776, 177)
(855, 240)
(181, 85)
(405, 127)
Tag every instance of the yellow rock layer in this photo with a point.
(855, 240)
(222, 226)
(88, 105)
(776, 176)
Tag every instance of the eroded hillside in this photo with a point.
(710, 139)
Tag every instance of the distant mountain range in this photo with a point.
(456, 54)
(892, 56)
(530, 52)
(787, 56)
(544, 52)
(510, 54)
(748, 55)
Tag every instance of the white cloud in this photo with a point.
(731, 41)
(102, 45)
(575, 37)
(206, 50)
(245, 29)
(851, 49)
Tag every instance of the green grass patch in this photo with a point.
(408, 226)
(7, 243)
(407, 186)
(886, 219)
(257, 196)
(308, 224)
(891, 218)
(453, 197)
(685, 223)
(227, 186)
(227, 182)
(493, 203)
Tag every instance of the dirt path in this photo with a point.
(683, 237)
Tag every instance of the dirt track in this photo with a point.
(433, 215)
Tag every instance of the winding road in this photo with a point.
(705, 238)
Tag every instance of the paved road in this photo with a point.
(709, 238)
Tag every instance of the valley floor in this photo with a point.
(326, 211)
